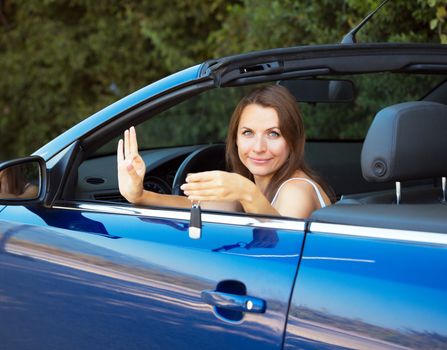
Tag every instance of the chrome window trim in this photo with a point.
(379, 233)
(228, 219)
(175, 214)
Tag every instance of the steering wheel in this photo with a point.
(209, 157)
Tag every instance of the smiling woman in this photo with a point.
(265, 152)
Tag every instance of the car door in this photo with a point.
(363, 287)
(82, 275)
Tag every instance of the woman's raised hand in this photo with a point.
(131, 167)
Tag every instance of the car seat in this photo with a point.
(405, 142)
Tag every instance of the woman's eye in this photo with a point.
(247, 133)
(274, 134)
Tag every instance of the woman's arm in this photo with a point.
(227, 187)
(131, 172)
(296, 199)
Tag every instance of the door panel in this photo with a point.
(367, 293)
(76, 279)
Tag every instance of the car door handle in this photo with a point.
(242, 303)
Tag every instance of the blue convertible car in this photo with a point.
(80, 268)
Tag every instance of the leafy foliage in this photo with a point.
(62, 60)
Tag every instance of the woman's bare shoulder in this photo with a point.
(298, 198)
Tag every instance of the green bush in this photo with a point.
(63, 60)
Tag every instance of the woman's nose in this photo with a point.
(259, 145)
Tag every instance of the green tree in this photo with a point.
(263, 24)
(62, 60)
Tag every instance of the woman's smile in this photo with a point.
(259, 161)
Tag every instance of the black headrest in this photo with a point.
(406, 141)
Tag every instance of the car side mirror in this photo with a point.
(22, 180)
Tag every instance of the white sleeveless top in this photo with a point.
(320, 197)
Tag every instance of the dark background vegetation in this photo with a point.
(62, 60)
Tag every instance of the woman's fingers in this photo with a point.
(214, 185)
(202, 182)
(202, 192)
(216, 194)
(203, 197)
(125, 161)
(203, 176)
(208, 185)
(119, 151)
(126, 144)
(133, 144)
(130, 144)
(199, 185)
(131, 167)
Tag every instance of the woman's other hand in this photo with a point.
(217, 186)
(222, 186)
(131, 167)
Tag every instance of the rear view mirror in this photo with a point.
(21, 179)
(320, 90)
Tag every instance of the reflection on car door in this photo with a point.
(101, 276)
(369, 288)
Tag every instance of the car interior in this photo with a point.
(348, 120)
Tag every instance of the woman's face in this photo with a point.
(261, 146)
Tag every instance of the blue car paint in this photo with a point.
(109, 112)
(136, 282)
(73, 279)
(399, 298)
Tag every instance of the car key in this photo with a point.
(195, 223)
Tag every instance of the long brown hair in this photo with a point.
(292, 129)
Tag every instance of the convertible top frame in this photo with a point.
(309, 61)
